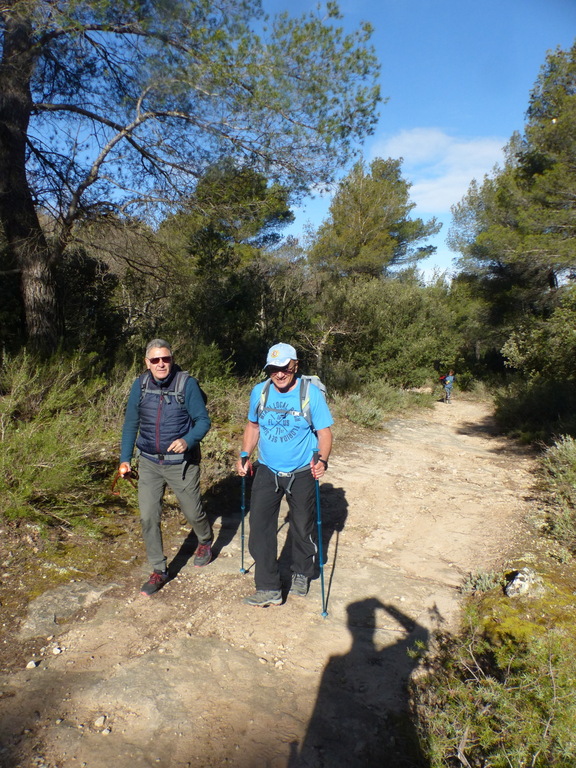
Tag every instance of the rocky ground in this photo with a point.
(99, 676)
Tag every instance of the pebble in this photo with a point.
(99, 722)
(32, 664)
(56, 650)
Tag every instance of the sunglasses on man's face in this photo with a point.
(272, 371)
(156, 360)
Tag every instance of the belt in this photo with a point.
(291, 475)
(171, 458)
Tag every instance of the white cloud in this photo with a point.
(440, 167)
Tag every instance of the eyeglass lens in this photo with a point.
(156, 360)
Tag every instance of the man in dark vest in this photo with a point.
(166, 426)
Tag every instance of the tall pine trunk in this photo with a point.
(28, 250)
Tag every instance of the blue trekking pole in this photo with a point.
(319, 524)
(242, 510)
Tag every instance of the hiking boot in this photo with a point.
(299, 585)
(155, 582)
(203, 554)
(264, 598)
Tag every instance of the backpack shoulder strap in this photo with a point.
(305, 382)
(305, 398)
(177, 389)
(263, 397)
(144, 378)
(180, 381)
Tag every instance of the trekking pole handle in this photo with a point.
(315, 457)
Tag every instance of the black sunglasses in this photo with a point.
(272, 370)
(156, 360)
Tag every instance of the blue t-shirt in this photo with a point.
(286, 440)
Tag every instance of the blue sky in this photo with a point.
(458, 76)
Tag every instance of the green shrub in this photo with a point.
(538, 409)
(499, 705)
(54, 442)
(481, 581)
(559, 472)
(377, 402)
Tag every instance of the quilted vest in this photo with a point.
(162, 419)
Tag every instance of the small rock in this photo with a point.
(56, 650)
(262, 660)
(99, 722)
(32, 664)
(525, 582)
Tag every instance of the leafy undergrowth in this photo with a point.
(502, 692)
(559, 482)
(377, 402)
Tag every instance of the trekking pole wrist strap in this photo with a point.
(324, 461)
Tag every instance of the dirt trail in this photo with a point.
(193, 677)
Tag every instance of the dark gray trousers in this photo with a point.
(267, 492)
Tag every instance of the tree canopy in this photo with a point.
(368, 228)
(517, 229)
(119, 106)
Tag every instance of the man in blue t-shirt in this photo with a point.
(287, 442)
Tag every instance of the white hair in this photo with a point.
(158, 344)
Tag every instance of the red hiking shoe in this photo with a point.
(155, 582)
(203, 555)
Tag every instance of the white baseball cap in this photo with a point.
(280, 355)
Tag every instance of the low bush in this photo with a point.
(537, 410)
(377, 402)
(559, 473)
(54, 440)
(499, 704)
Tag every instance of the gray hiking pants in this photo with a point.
(184, 480)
